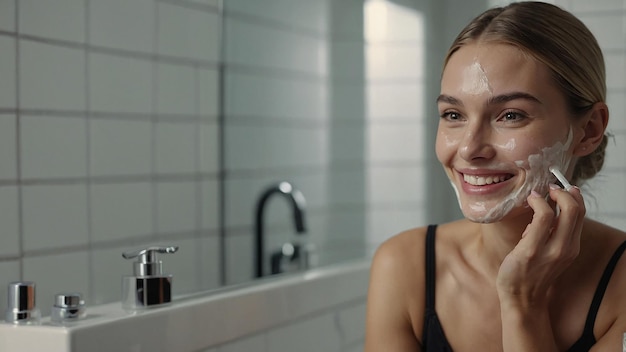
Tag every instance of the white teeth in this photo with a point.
(483, 180)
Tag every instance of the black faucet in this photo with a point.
(297, 202)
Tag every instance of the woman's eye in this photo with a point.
(451, 116)
(512, 116)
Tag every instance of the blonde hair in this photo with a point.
(563, 43)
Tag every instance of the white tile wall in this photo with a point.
(120, 84)
(183, 266)
(113, 145)
(600, 6)
(608, 29)
(52, 146)
(310, 15)
(615, 70)
(176, 206)
(239, 259)
(274, 145)
(400, 185)
(121, 211)
(395, 142)
(397, 62)
(120, 147)
(209, 209)
(43, 19)
(275, 96)
(270, 48)
(401, 22)
(7, 71)
(208, 91)
(617, 107)
(108, 269)
(43, 67)
(8, 147)
(175, 148)
(348, 102)
(185, 32)
(10, 222)
(346, 58)
(208, 263)
(395, 100)
(54, 216)
(120, 24)
(176, 88)
(208, 141)
(52, 274)
(9, 271)
(7, 16)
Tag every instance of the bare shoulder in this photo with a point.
(401, 248)
(396, 295)
(400, 259)
(602, 245)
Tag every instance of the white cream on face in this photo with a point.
(538, 178)
(510, 145)
(475, 81)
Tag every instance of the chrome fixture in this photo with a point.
(148, 286)
(21, 303)
(293, 257)
(284, 259)
(67, 308)
(298, 203)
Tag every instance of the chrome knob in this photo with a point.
(67, 307)
(21, 303)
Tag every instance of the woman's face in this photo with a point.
(503, 124)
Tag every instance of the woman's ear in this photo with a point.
(593, 125)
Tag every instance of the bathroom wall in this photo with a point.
(109, 141)
(606, 193)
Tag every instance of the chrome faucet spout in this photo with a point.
(298, 203)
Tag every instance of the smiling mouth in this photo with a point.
(477, 180)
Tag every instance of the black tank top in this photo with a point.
(433, 337)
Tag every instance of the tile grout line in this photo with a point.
(20, 198)
(91, 281)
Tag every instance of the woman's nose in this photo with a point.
(476, 143)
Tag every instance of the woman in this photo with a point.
(522, 90)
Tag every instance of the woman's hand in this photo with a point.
(549, 244)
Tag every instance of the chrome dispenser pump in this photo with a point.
(148, 286)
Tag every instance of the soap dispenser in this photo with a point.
(148, 287)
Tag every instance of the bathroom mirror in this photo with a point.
(332, 97)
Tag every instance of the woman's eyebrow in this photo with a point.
(443, 98)
(497, 99)
(504, 98)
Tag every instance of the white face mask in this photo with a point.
(475, 81)
(538, 178)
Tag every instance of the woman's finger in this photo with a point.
(538, 231)
(568, 225)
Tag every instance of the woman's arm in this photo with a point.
(388, 322)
